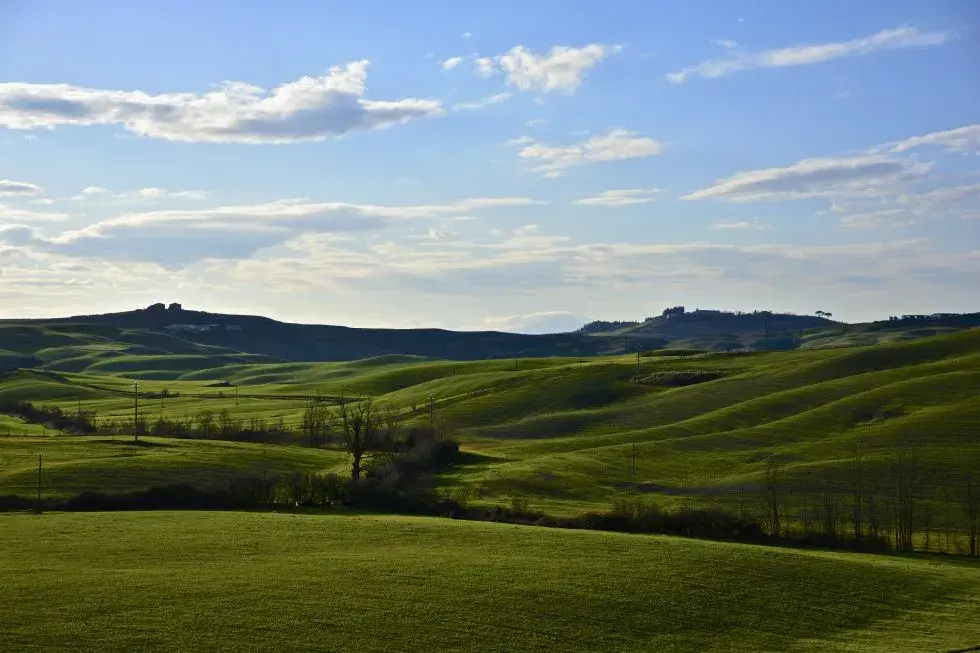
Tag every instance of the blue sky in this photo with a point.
(489, 165)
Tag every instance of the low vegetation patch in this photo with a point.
(679, 378)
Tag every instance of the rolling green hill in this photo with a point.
(567, 435)
(234, 581)
(294, 342)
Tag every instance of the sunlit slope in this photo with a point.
(564, 433)
(236, 581)
(116, 464)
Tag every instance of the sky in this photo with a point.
(522, 166)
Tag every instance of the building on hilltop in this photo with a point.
(191, 327)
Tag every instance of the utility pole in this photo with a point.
(765, 330)
(39, 478)
(431, 400)
(136, 410)
(638, 362)
(236, 394)
(516, 358)
(626, 344)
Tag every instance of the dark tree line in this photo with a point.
(877, 512)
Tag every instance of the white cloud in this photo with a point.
(9, 187)
(150, 193)
(342, 279)
(536, 323)
(819, 177)
(10, 215)
(620, 197)
(726, 43)
(561, 69)
(451, 63)
(484, 102)
(308, 109)
(963, 139)
(742, 225)
(179, 236)
(467, 35)
(617, 145)
(805, 55)
(870, 219)
(483, 66)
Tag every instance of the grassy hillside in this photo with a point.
(566, 434)
(295, 342)
(236, 581)
(109, 464)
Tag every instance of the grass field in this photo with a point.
(563, 433)
(254, 581)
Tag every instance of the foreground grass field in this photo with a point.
(261, 581)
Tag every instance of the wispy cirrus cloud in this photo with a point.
(150, 193)
(8, 188)
(10, 215)
(307, 109)
(740, 225)
(180, 236)
(964, 139)
(562, 69)
(809, 54)
(482, 103)
(619, 144)
(818, 177)
(624, 197)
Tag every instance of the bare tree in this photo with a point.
(205, 422)
(830, 515)
(805, 510)
(971, 510)
(856, 478)
(874, 518)
(771, 499)
(316, 422)
(360, 423)
(903, 486)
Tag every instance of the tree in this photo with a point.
(771, 500)
(856, 478)
(971, 509)
(316, 422)
(205, 422)
(360, 423)
(903, 487)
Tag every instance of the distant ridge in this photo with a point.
(162, 326)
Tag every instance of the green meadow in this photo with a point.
(263, 581)
(568, 435)
(565, 433)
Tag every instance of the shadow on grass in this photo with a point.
(143, 444)
(471, 458)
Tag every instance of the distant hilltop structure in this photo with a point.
(199, 328)
(191, 327)
(175, 310)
